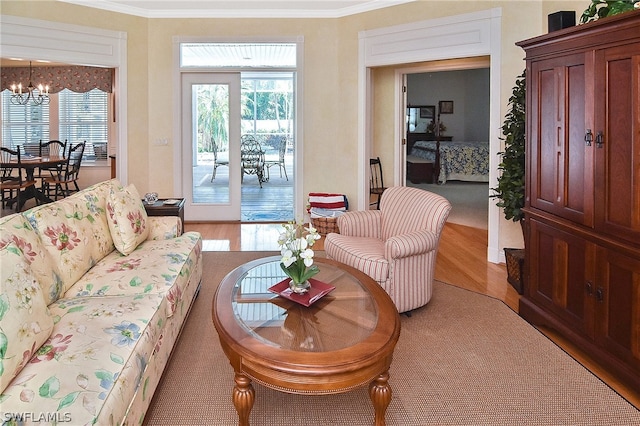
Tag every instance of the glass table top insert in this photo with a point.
(340, 319)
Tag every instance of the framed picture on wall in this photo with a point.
(428, 111)
(445, 107)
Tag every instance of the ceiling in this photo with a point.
(239, 8)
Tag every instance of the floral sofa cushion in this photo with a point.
(16, 229)
(74, 231)
(127, 218)
(90, 368)
(155, 267)
(164, 227)
(25, 321)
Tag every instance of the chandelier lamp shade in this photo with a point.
(21, 95)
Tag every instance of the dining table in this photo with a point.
(29, 163)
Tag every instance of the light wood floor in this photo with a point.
(462, 261)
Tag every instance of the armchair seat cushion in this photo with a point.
(365, 254)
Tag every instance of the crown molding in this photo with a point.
(238, 8)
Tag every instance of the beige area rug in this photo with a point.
(464, 359)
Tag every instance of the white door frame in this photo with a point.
(460, 36)
(298, 150)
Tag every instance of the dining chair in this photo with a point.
(282, 150)
(376, 183)
(54, 148)
(12, 180)
(217, 161)
(252, 158)
(60, 184)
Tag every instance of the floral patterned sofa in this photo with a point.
(94, 294)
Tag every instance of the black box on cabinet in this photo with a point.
(559, 20)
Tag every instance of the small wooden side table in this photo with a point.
(163, 207)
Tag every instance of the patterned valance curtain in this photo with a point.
(78, 79)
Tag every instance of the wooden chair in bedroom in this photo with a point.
(376, 183)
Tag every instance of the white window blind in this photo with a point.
(84, 117)
(23, 125)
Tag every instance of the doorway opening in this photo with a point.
(446, 38)
(456, 140)
(266, 116)
(240, 139)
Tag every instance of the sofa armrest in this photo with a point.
(164, 227)
(410, 244)
(362, 223)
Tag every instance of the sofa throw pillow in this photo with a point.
(127, 218)
(25, 320)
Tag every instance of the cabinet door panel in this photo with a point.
(559, 158)
(617, 118)
(561, 274)
(618, 307)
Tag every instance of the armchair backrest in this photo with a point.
(406, 209)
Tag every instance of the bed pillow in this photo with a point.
(25, 320)
(127, 218)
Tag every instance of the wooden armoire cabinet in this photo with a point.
(582, 202)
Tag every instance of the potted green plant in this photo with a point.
(603, 8)
(510, 188)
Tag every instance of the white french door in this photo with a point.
(211, 114)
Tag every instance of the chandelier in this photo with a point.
(29, 94)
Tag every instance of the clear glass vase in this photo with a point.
(299, 288)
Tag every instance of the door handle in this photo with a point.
(588, 137)
(600, 140)
(589, 288)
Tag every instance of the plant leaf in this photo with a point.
(68, 400)
(49, 388)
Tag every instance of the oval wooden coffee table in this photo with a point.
(342, 341)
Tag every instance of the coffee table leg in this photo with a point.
(243, 397)
(380, 393)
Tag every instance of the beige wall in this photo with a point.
(330, 79)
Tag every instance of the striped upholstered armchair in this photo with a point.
(396, 245)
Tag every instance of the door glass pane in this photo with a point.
(268, 116)
(211, 140)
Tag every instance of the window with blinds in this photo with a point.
(84, 117)
(23, 125)
(81, 117)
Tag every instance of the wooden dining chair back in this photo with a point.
(217, 161)
(65, 181)
(52, 148)
(13, 182)
(251, 158)
(376, 182)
